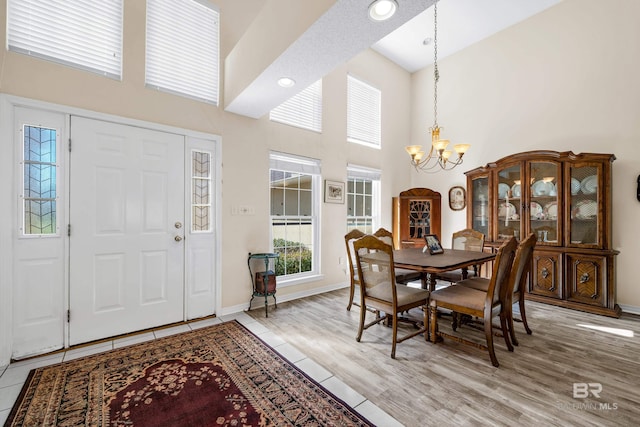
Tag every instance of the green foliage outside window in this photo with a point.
(294, 257)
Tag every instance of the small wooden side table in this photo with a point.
(266, 277)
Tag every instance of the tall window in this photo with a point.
(80, 33)
(303, 110)
(294, 189)
(363, 113)
(363, 198)
(183, 48)
(39, 191)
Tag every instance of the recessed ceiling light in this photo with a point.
(381, 10)
(286, 82)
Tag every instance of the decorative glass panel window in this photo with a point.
(303, 110)
(363, 198)
(363, 113)
(80, 33)
(183, 48)
(294, 186)
(200, 191)
(39, 191)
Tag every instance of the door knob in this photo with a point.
(178, 238)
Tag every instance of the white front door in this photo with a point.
(126, 214)
(38, 255)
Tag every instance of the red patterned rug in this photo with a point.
(222, 375)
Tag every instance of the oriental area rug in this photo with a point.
(222, 375)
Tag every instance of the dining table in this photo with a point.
(430, 265)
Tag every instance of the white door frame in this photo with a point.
(8, 210)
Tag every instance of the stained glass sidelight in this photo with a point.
(201, 191)
(39, 184)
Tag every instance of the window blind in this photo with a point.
(183, 48)
(84, 34)
(292, 163)
(303, 110)
(363, 113)
(362, 172)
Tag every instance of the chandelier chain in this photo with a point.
(436, 73)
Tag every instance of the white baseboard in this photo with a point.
(630, 309)
(259, 301)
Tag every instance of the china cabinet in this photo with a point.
(416, 213)
(565, 199)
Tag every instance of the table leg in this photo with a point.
(424, 279)
(432, 282)
(465, 273)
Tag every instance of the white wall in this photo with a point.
(565, 79)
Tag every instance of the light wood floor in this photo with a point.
(454, 384)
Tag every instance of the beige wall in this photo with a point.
(566, 79)
(245, 142)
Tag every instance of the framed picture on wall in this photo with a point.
(333, 191)
(457, 198)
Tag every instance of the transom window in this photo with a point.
(363, 113)
(183, 48)
(303, 110)
(363, 199)
(294, 183)
(80, 33)
(39, 191)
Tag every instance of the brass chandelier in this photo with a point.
(438, 158)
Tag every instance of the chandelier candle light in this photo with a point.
(438, 156)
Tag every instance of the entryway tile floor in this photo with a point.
(12, 377)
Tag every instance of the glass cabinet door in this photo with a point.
(509, 198)
(480, 205)
(584, 221)
(545, 208)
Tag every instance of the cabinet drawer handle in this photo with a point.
(584, 278)
(545, 273)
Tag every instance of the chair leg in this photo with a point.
(425, 314)
(363, 313)
(506, 333)
(395, 335)
(433, 324)
(454, 320)
(523, 316)
(351, 293)
(488, 331)
(512, 331)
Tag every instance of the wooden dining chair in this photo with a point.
(354, 281)
(516, 286)
(378, 289)
(468, 240)
(476, 303)
(403, 275)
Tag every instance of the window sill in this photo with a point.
(283, 283)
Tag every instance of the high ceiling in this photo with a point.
(317, 37)
(460, 23)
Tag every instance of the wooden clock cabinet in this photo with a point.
(416, 213)
(565, 199)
